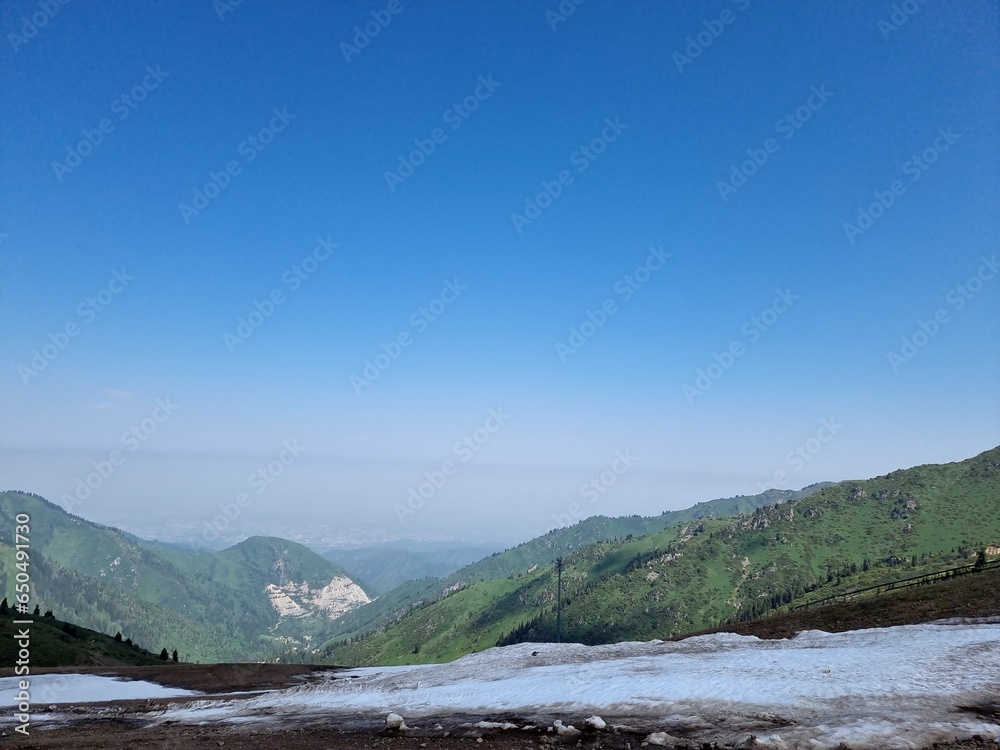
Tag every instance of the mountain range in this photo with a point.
(623, 578)
(250, 601)
(703, 570)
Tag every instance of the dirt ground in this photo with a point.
(116, 736)
(312, 738)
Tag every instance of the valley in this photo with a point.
(628, 578)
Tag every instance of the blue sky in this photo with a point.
(834, 100)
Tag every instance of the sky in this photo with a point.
(386, 270)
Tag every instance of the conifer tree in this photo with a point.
(980, 560)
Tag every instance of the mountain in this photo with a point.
(541, 551)
(381, 569)
(710, 569)
(250, 601)
(264, 596)
(297, 581)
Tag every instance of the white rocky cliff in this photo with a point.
(293, 599)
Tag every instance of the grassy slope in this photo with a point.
(52, 647)
(688, 578)
(544, 549)
(517, 561)
(975, 595)
(209, 606)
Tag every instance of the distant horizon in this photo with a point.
(367, 539)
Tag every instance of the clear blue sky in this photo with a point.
(865, 94)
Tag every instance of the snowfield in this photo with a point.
(82, 688)
(888, 687)
(901, 687)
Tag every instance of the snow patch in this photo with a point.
(892, 687)
(84, 688)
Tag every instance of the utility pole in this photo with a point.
(559, 600)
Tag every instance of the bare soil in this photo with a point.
(116, 736)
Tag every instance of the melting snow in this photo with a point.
(888, 687)
(83, 688)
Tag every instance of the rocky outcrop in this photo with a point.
(340, 595)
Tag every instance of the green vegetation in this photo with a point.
(57, 643)
(689, 577)
(213, 607)
(975, 595)
(379, 570)
(624, 578)
(539, 552)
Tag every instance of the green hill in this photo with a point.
(57, 643)
(705, 571)
(211, 607)
(540, 551)
(381, 569)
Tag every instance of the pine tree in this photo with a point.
(37, 611)
(4, 607)
(163, 655)
(980, 560)
(118, 637)
(175, 656)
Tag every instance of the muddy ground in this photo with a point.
(112, 735)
